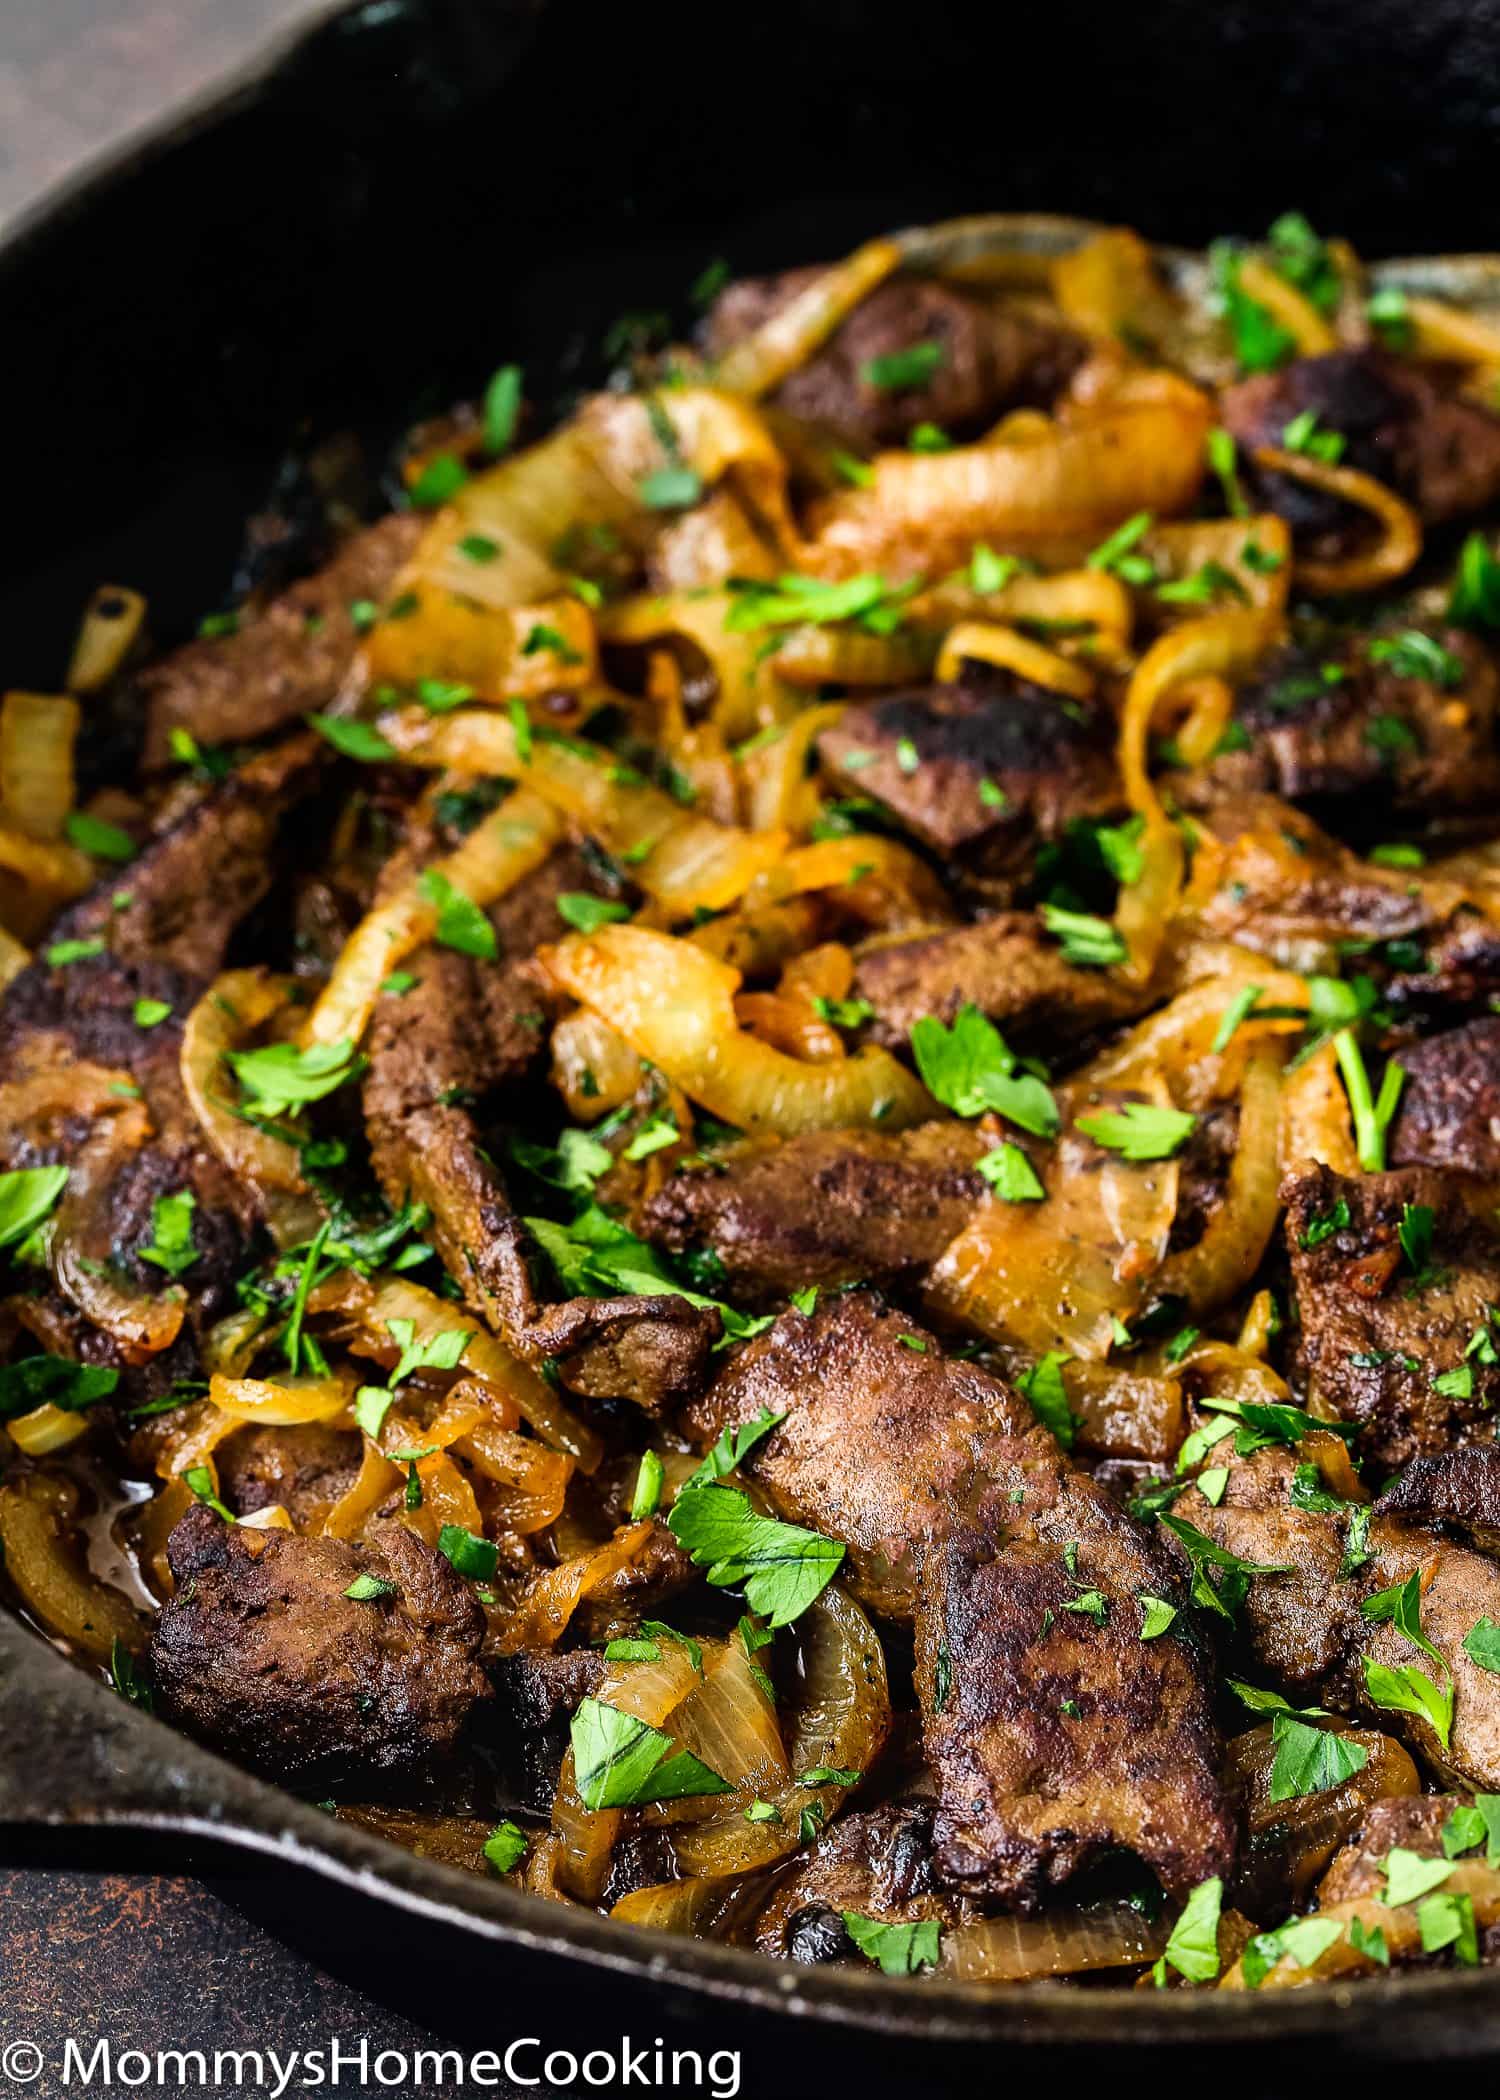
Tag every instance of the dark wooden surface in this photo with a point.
(78, 76)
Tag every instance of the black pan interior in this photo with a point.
(433, 186)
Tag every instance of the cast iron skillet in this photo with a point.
(361, 228)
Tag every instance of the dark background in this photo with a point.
(434, 188)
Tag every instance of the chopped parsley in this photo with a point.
(1011, 1175)
(899, 371)
(620, 1762)
(27, 1196)
(782, 1567)
(969, 1068)
(352, 738)
(896, 1950)
(587, 913)
(1088, 943)
(280, 1077)
(461, 925)
(501, 409)
(1140, 1130)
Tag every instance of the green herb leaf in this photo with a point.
(171, 1246)
(1476, 588)
(896, 1950)
(1411, 1691)
(467, 1553)
(1043, 1389)
(502, 409)
(1193, 1948)
(366, 1589)
(1088, 942)
(439, 481)
(1157, 1617)
(782, 1567)
(1413, 654)
(1482, 1645)
(1309, 1760)
(27, 1195)
(1140, 1130)
(588, 913)
(901, 370)
(54, 1381)
(353, 738)
(969, 1068)
(1011, 1175)
(461, 925)
(281, 1077)
(506, 1847)
(620, 1762)
(93, 836)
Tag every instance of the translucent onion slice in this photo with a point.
(855, 867)
(1397, 548)
(1451, 334)
(1181, 550)
(800, 328)
(1316, 1124)
(683, 860)
(779, 792)
(37, 732)
(1239, 1230)
(234, 1007)
(697, 1909)
(986, 642)
(1073, 597)
(525, 650)
(1053, 1275)
(552, 1597)
(1059, 1943)
(593, 1067)
(675, 1005)
(839, 1719)
(14, 957)
(112, 620)
(586, 480)
(1054, 496)
(751, 695)
(1225, 645)
(1313, 335)
(142, 1322)
(47, 1428)
(282, 1403)
(502, 848)
(531, 1480)
(818, 656)
(44, 1561)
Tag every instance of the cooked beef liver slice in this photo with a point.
(1372, 1335)
(1008, 966)
(1304, 1631)
(281, 664)
(653, 1351)
(962, 1513)
(1366, 744)
(1400, 424)
(989, 359)
(1450, 1105)
(261, 1654)
(825, 1208)
(875, 1861)
(298, 1467)
(928, 754)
